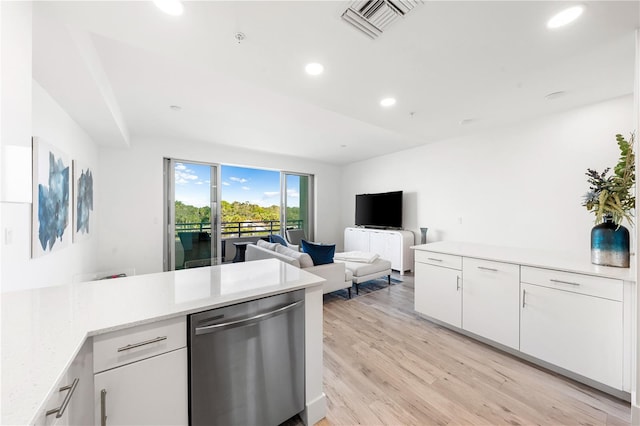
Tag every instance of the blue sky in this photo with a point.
(242, 184)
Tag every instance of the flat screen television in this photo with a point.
(382, 210)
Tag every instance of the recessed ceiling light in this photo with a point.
(175, 107)
(565, 17)
(387, 102)
(170, 7)
(314, 68)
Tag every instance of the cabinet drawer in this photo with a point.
(439, 259)
(492, 270)
(134, 344)
(576, 283)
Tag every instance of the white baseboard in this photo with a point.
(316, 410)
(635, 415)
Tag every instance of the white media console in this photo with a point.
(394, 246)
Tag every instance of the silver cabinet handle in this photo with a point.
(262, 316)
(484, 268)
(59, 412)
(146, 342)
(457, 282)
(434, 259)
(524, 295)
(103, 407)
(563, 282)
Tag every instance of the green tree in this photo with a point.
(235, 211)
(190, 214)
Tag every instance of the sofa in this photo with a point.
(336, 275)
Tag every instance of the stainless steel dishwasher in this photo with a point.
(246, 362)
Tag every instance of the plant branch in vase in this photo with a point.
(611, 198)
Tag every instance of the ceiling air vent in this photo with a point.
(372, 17)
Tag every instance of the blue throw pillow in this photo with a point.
(275, 238)
(321, 254)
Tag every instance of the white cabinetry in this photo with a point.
(566, 321)
(142, 375)
(438, 289)
(356, 239)
(72, 400)
(149, 392)
(394, 246)
(490, 300)
(575, 319)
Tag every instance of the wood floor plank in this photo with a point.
(385, 365)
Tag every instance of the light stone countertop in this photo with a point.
(530, 257)
(43, 329)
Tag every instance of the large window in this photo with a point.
(253, 203)
(250, 202)
(192, 205)
(296, 202)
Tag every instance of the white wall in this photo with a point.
(15, 119)
(635, 396)
(15, 54)
(131, 184)
(519, 186)
(19, 271)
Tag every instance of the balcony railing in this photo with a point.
(193, 240)
(240, 229)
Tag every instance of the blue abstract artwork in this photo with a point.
(51, 199)
(83, 200)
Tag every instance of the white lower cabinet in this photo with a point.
(577, 322)
(148, 392)
(141, 375)
(386, 246)
(578, 332)
(72, 401)
(438, 293)
(490, 297)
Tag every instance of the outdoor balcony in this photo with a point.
(193, 240)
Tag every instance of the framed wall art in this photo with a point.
(51, 215)
(82, 201)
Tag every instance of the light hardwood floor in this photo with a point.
(384, 365)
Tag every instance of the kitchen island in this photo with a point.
(43, 330)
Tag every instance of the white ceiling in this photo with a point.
(117, 66)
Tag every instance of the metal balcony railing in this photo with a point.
(240, 229)
(193, 240)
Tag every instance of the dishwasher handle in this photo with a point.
(246, 321)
